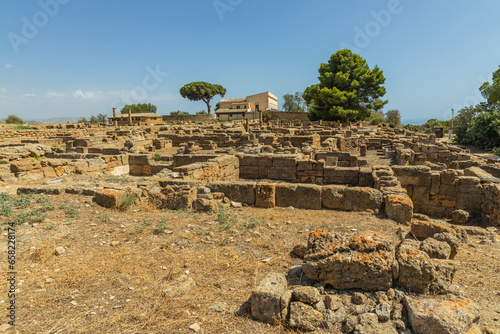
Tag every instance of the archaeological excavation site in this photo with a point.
(248, 227)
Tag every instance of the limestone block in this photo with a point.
(239, 191)
(342, 175)
(357, 261)
(399, 208)
(265, 195)
(351, 198)
(302, 196)
(430, 316)
(266, 298)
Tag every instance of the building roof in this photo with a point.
(268, 93)
(145, 114)
(233, 100)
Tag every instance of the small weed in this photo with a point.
(265, 246)
(37, 216)
(44, 183)
(225, 218)
(139, 229)
(72, 212)
(199, 230)
(5, 209)
(251, 223)
(4, 197)
(21, 218)
(104, 218)
(45, 203)
(161, 227)
(127, 201)
(118, 179)
(224, 242)
(157, 157)
(137, 240)
(50, 226)
(23, 201)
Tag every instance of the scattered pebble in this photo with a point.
(59, 250)
(195, 327)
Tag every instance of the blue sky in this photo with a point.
(80, 58)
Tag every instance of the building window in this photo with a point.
(153, 118)
(237, 107)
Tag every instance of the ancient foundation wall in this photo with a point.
(439, 193)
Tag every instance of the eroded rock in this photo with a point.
(431, 316)
(362, 261)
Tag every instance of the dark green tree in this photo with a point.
(348, 90)
(82, 120)
(13, 119)
(202, 91)
(478, 126)
(491, 91)
(139, 108)
(294, 103)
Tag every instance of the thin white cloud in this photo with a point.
(8, 66)
(79, 94)
(55, 95)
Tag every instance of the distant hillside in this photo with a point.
(52, 120)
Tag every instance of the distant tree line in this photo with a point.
(100, 118)
(391, 118)
(139, 108)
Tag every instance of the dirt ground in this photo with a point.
(116, 264)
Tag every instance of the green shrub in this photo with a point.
(496, 151)
(23, 201)
(13, 119)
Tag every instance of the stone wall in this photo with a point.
(223, 168)
(184, 118)
(440, 193)
(333, 168)
(282, 115)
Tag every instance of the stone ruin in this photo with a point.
(306, 165)
(364, 283)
